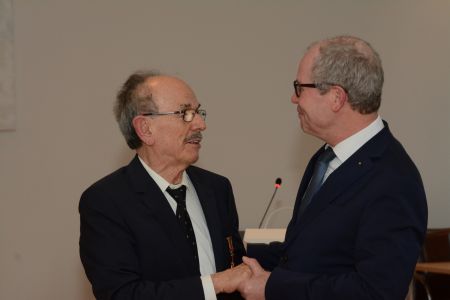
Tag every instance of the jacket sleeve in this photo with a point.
(233, 220)
(268, 255)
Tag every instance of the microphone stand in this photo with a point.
(277, 186)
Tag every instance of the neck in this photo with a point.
(170, 172)
(348, 126)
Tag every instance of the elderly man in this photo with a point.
(160, 228)
(360, 215)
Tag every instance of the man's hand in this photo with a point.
(230, 280)
(254, 287)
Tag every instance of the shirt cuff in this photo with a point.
(208, 288)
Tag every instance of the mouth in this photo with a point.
(194, 139)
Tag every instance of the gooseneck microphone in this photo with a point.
(277, 186)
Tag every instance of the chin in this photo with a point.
(192, 159)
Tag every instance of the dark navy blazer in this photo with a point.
(131, 245)
(361, 235)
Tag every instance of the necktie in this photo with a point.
(179, 195)
(316, 180)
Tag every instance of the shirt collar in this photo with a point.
(350, 145)
(160, 181)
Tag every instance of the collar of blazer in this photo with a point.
(153, 198)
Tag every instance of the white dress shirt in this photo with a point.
(202, 237)
(350, 145)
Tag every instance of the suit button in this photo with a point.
(284, 259)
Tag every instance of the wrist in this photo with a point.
(217, 283)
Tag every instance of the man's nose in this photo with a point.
(198, 123)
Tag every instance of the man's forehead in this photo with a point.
(166, 84)
(172, 92)
(305, 65)
(171, 104)
(178, 102)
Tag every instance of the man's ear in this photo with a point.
(340, 96)
(142, 126)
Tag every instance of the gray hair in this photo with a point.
(353, 64)
(133, 99)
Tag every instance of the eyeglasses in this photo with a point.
(298, 86)
(187, 114)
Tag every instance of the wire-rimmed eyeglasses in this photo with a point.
(298, 86)
(187, 114)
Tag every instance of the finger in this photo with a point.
(255, 267)
(244, 269)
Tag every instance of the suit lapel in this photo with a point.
(304, 184)
(339, 181)
(301, 190)
(160, 210)
(208, 202)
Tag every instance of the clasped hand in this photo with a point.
(249, 278)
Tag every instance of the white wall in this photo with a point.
(241, 58)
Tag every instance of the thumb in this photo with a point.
(253, 264)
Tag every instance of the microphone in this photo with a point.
(277, 186)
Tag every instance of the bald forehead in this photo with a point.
(170, 92)
(313, 51)
(305, 65)
(164, 80)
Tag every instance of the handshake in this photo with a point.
(249, 279)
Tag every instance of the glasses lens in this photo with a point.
(297, 88)
(188, 115)
(202, 113)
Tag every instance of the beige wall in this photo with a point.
(240, 57)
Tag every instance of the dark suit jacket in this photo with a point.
(131, 245)
(361, 235)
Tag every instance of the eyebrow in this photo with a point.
(189, 106)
